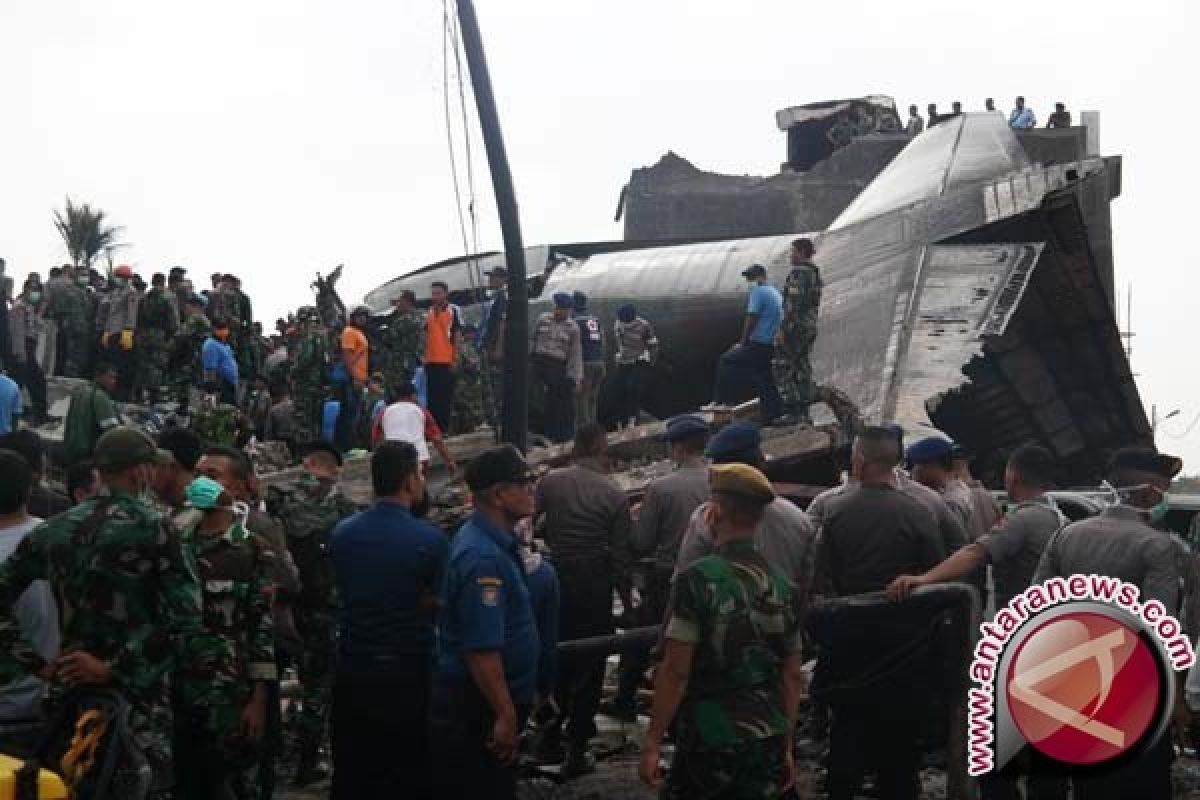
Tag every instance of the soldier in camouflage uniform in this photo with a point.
(404, 342)
(220, 718)
(310, 364)
(470, 409)
(128, 600)
(186, 368)
(155, 327)
(732, 661)
(797, 332)
(68, 305)
(309, 511)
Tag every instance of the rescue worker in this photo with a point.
(557, 359)
(667, 505)
(220, 366)
(801, 305)
(68, 306)
(786, 536)
(155, 327)
(584, 518)
(1122, 543)
(355, 358)
(749, 361)
(309, 375)
(404, 342)
(731, 671)
(636, 352)
(470, 403)
(870, 536)
(1013, 548)
(128, 627)
(25, 329)
(491, 340)
(931, 461)
(92, 413)
(443, 336)
(487, 648)
(591, 342)
(187, 368)
(120, 323)
(220, 718)
(389, 565)
(309, 511)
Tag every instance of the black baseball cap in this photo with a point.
(503, 464)
(754, 271)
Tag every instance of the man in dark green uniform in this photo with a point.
(186, 366)
(67, 304)
(731, 666)
(309, 376)
(128, 601)
(798, 331)
(91, 413)
(309, 511)
(220, 717)
(404, 342)
(155, 327)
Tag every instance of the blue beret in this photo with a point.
(563, 300)
(626, 313)
(931, 448)
(683, 426)
(733, 440)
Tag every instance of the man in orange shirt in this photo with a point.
(355, 357)
(443, 334)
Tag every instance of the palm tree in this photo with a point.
(85, 233)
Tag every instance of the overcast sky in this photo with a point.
(274, 138)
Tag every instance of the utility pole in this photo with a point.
(514, 411)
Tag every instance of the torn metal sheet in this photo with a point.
(964, 293)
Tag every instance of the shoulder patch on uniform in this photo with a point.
(490, 596)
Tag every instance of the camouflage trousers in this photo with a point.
(74, 344)
(396, 374)
(152, 360)
(308, 407)
(493, 374)
(748, 771)
(315, 667)
(792, 367)
(469, 407)
(212, 759)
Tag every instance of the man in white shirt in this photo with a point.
(36, 610)
(406, 421)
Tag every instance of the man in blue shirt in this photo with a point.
(488, 649)
(10, 404)
(388, 566)
(220, 367)
(1022, 118)
(749, 361)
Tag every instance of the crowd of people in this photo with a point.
(1020, 118)
(169, 572)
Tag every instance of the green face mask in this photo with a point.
(1158, 511)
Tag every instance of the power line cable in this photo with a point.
(446, 28)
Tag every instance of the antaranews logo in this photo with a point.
(1079, 668)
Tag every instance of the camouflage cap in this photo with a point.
(124, 447)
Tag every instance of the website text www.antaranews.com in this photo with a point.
(996, 634)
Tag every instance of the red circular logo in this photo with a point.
(1084, 688)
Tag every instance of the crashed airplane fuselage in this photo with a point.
(960, 292)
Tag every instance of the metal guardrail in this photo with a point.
(962, 600)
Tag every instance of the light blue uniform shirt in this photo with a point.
(767, 302)
(10, 404)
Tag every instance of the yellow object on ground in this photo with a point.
(50, 786)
